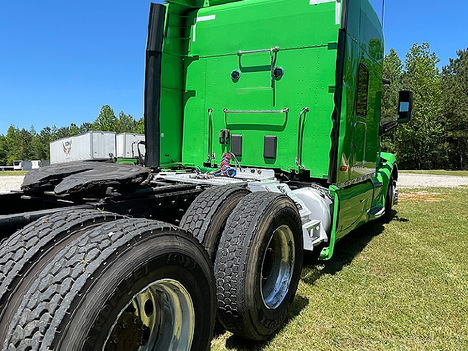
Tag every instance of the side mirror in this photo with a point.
(405, 106)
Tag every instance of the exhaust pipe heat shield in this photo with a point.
(153, 84)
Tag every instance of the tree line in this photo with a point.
(437, 137)
(22, 144)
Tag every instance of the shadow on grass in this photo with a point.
(346, 249)
(400, 219)
(351, 245)
(239, 344)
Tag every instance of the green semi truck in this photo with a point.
(263, 132)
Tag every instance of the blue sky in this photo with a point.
(60, 61)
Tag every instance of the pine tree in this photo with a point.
(455, 107)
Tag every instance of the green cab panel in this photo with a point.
(355, 202)
(257, 65)
(253, 38)
(359, 141)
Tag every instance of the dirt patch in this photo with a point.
(420, 196)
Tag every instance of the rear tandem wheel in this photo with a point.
(24, 254)
(258, 265)
(130, 284)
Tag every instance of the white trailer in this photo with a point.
(17, 165)
(36, 164)
(85, 147)
(129, 145)
(20, 165)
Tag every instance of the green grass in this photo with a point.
(437, 172)
(401, 285)
(13, 173)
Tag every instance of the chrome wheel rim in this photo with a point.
(160, 317)
(277, 267)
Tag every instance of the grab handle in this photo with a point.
(300, 137)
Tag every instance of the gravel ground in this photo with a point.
(8, 183)
(410, 180)
(405, 180)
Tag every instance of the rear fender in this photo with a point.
(387, 168)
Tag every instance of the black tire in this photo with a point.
(263, 229)
(99, 291)
(24, 254)
(389, 198)
(207, 215)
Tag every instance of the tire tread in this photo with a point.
(230, 263)
(19, 252)
(199, 216)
